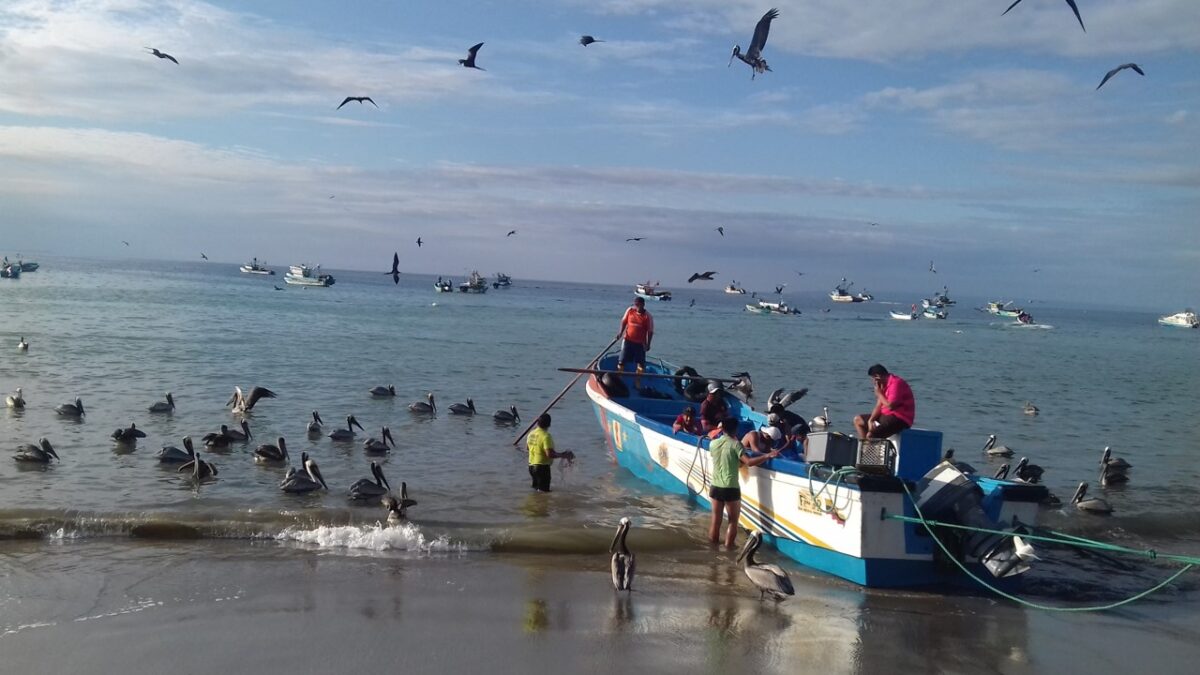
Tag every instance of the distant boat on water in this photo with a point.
(1185, 319)
(502, 280)
(255, 267)
(650, 291)
(303, 275)
(475, 283)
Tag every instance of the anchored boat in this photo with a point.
(255, 267)
(502, 280)
(764, 307)
(838, 512)
(303, 275)
(650, 291)
(841, 293)
(1185, 319)
(443, 285)
(1003, 309)
(734, 289)
(475, 283)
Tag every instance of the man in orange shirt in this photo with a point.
(637, 327)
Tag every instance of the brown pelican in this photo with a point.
(1028, 473)
(742, 386)
(271, 454)
(769, 578)
(347, 433)
(1112, 72)
(36, 454)
(378, 446)
(15, 400)
(1002, 472)
(1091, 505)
(820, 421)
(994, 450)
(365, 488)
(1030, 409)
(173, 455)
(398, 508)
(164, 55)
(243, 404)
(22, 346)
(129, 434)
(467, 408)
(303, 481)
(426, 407)
(469, 62)
(199, 469)
(753, 56)
(71, 409)
(219, 440)
(1113, 469)
(164, 406)
(778, 397)
(623, 563)
(510, 416)
(381, 390)
(243, 435)
(314, 427)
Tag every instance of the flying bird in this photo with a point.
(779, 289)
(511, 233)
(932, 268)
(1118, 69)
(162, 55)
(396, 267)
(799, 273)
(874, 224)
(706, 276)
(1074, 8)
(635, 238)
(360, 99)
(124, 242)
(753, 56)
(692, 303)
(469, 62)
(721, 230)
(419, 242)
(586, 40)
(203, 256)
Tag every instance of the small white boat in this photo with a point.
(734, 289)
(650, 292)
(1003, 309)
(1185, 319)
(912, 315)
(443, 285)
(764, 307)
(841, 293)
(502, 280)
(475, 283)
(303, 275)
(10, 270)
(934, 313)
(255, 267)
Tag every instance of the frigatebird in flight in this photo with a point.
(635, 238)
(469, 62)
(1132, 66)
(162, 55)
(698, 276)
(395, 268)
(360, 99)
(586, 40)
(1074, 8)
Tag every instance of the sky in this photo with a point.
(889, 135)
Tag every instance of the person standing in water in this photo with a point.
(728, 456)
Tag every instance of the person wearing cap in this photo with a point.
(763, 440)
(687, 423)
(895, 407)
(713, 409)
(728, 456)
(637, 330)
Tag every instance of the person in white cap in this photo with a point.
(763, 440)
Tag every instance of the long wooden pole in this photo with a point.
(667, 376)
(566, 389)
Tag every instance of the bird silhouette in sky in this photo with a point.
(753, 56)
(419, 242)
(511, 233)
(799, 273)
(469, 62)
(721, 230)
(1132, 66)
(1074, 8)
(203, 256)
(874, 224)
(395, 268)
(124, 242)
(779, 289)
(162, 55)
(692, 303)
(931, 268)
(701, 276)
(277, 287)
(360, 99)
(635, 238)
(586, 40)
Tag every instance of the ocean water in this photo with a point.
(120, 335)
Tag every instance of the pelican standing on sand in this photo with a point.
(314, 427)
(365, 488)
(623, 563)
(71, 409)
(398, 508)
(303, 481)
(15, 400)
(380, 445)
(243, 404)
(380, 391)
(510, 416)
(164, 406)
(36, 454)
(770, 579)
(426, 407)
(173, 455)
(467, 408)
(347, 433)
(271, 454)
(1093, 505)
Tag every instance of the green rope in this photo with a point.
(1027, 603)
(836, 478)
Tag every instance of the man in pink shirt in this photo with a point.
(895, 408)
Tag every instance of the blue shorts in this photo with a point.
(632, 352)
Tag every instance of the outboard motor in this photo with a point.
(948, 495)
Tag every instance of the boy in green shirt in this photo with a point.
(541, 453)
(728, 456)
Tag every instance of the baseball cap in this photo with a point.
(771, 433)
(714, 387)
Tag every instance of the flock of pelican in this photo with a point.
(1113, 471)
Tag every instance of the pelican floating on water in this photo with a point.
(510, 416)
(1092, 504)
(1029, 409)
(129, 434)
(218, 440)
(243, 404)
(1113, 469)
(993, 450)
(1026, 472)
(347, 433)
(467, 408)
(173, 455)
(365, 488)
(623, 563)
(1002, 472)
(36, 454)
(398, 508)
(22, 346)
(199, 469)
(271, 454)
(303, 481)
(164, 406)
(770, 579)
(15, 400)
(243, 435)
(314, 427)
(820, 421)
(380, 445)
(381, 390)
(71, 409)
(426, 407)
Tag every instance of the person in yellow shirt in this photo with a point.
(542, 453)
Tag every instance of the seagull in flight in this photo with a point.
(395, 268)
(1074, 8)
(779, 289)
(721, 230)
(360, 99)
(931, 267)
(203, 256)
(124, 242)
(162, 55)
(511, 233)
(1114, 71)
(586, 40)
(635, 238)
(469, 62)
(874, 224)
(698, 276)
(799, 273)
(419, 242)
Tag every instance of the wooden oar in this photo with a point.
(593, 371)
(567, 388)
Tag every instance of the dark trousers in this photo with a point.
(540, 473)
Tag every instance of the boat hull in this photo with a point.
(1181, 320)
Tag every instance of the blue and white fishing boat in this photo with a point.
(833, 515)
(303, 275)
(650, 291)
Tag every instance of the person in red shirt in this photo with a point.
(687, 423)
(637, 329)
(895, 408)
